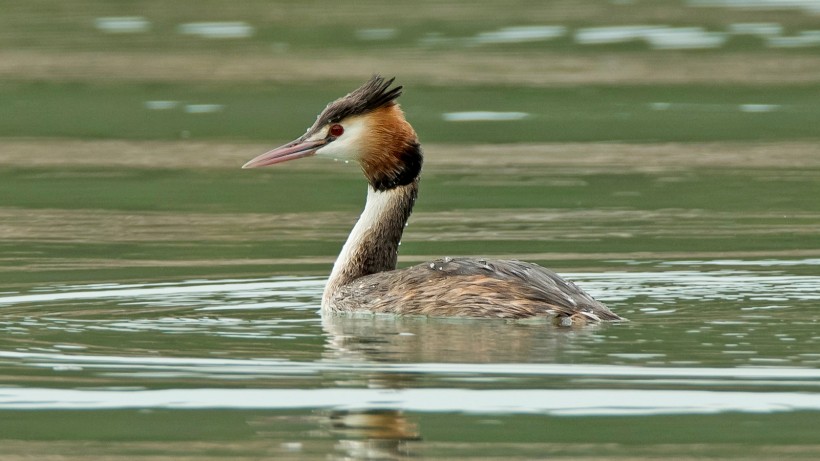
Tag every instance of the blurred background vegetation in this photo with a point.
(147, 106)
(585, 70)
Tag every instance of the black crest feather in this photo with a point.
(375, 93)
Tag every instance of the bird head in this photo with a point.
(366, 126)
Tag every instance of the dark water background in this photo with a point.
(157, 302)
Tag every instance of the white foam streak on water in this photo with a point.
(123, 24)
(521, 34)
(221, 30)
(744, 262)
(811, 6)
(481, 116)
(553, 402)
(203, 108)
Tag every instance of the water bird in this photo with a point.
(368, 126)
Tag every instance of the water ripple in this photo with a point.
(723, 284)
(224, 367)
(508, 401)
(189, 292)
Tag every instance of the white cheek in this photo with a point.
(347, 145)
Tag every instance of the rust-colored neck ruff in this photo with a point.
(373, 243)
(391, 154)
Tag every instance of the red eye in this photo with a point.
(336, 130)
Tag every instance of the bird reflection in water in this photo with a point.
(373, 434)
(422, 340)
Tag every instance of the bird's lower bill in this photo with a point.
(290, 151)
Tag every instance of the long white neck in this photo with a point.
(373, 244)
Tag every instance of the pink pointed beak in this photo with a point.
(290, 151)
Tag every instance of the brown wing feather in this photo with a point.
(464, 287)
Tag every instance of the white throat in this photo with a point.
(378, 203)
(372, 245)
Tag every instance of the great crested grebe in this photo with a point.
(368, 126)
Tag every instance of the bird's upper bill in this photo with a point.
(290, 151)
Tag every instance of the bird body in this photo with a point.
(469, 287)
(368, 126)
